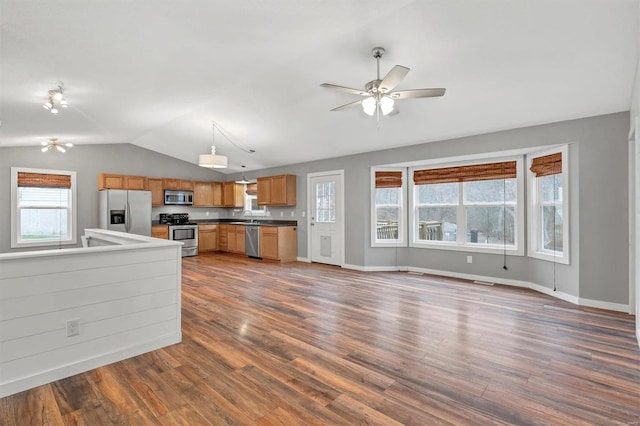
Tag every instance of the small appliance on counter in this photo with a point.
(180, 229)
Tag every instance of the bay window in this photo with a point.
(471, 207)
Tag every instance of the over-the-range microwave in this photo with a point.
(173, 197)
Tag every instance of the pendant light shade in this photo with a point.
(212, 160)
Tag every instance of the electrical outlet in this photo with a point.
(206, 214)
(293, 214)
(281, 214)
(469, 259)
(73, 327)
(303, 214)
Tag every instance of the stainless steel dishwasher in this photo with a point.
(252, 241)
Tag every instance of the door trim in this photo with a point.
(341, 210)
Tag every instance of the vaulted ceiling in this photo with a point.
(158, 73)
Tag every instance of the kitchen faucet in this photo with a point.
(250, 213)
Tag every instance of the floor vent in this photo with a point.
(482, 282)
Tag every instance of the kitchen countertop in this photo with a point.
(258, 222)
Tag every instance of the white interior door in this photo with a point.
(326, 217)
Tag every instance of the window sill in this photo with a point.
(549, 257)
(15, 244)
(394, 243)
(511, 251)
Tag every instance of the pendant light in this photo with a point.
(244, 180)
(213, 160)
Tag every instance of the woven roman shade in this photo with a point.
(490, 171)
(40, 180)
(547, 165)
(388, 179)
(252, 189)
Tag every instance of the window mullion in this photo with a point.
(461, 217)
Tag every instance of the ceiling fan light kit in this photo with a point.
(378, 94)
(54, 143)
(55, 97)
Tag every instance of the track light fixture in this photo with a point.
(54, 143)
(55, 99)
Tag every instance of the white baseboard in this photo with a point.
(303, 259)
(505, 281)
(604, 305)
(43, 377)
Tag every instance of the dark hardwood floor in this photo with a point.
(301, 344)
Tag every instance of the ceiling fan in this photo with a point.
(378, 94)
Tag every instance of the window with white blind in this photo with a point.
(43, 212)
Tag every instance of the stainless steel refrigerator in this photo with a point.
(125, 211)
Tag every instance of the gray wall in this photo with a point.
(598, 207)
(88, 161)
(598, 204)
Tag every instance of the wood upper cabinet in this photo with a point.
(279, 243)
(160, 231)
(207, 238)
(171, 183)
(157, 192)
(186, 185)
(216, 187)
(202, 194)
(277, 190)
(139, 183)
(232, 194)
(113, 181)
(109, 181)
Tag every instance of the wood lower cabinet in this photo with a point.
(157, 192)
(235, 238)
(277, 190)
(207, 238)
(279, 243)
(160, 231)
(223, 237)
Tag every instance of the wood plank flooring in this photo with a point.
(299, 344)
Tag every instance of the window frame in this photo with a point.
(518, 249)
(15, 210)
(534, 230)
(401, 241)
(261, 212)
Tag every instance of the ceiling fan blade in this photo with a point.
(344, 89)
(345, 106)
(393, 78)
(417, 93)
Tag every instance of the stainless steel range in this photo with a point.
(180, 229)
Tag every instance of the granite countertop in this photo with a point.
(257, 222)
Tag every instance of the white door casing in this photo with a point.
(326, 217)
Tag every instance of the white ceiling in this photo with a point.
(157, 73)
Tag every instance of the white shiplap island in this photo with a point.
(123, 290)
